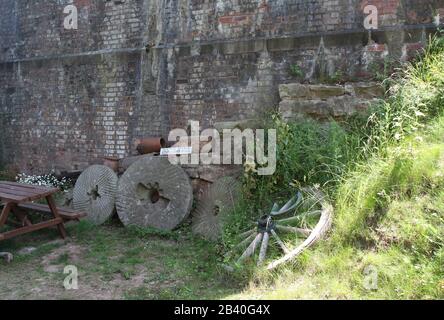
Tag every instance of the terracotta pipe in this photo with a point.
(150, 145)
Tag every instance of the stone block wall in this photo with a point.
(327, 101)
(142, 67)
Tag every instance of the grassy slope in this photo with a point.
(387, 239)
(389, 219)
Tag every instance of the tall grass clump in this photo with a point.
(308, 153)
(415, 96)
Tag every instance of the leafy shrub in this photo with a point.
(308, 153)
(296, 71)
(415, 96)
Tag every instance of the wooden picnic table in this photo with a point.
(17, 199)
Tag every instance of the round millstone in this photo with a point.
(95, 193)
(154, 193)
(215, 204)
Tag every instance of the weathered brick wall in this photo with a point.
(70, 113)
(70, 97)
(245, 49)
(102, 25)
(141, 67)
(8, 29)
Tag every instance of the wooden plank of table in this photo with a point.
(65, 213)
(4, 186)
(55, 212)
(24, 196)
(9, 197)
(21, 192)
(5, 212)
(28, 229)
(23, 185)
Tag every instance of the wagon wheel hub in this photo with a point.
(265, 224)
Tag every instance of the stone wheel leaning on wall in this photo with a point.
(154, 193)
(95, 193)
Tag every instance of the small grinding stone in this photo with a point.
(95, 193)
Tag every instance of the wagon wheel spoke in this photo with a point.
(280, 242)
(275, 208)
(247, 240)
(290, 205)
(247, 233)
(251, 248)
(300, 231)
(264, 248)
(242, 244)
(299, 217)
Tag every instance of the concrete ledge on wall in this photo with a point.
(241, 47)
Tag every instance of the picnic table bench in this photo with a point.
(17, 198)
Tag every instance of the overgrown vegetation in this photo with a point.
(6, 175)
(383, 173)
(296, 71)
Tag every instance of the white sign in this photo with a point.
(176, 151)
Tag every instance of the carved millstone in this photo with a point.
(215, 204)
(95, 193)
(125, 163)
(154, 193)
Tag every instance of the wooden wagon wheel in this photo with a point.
(154, 193)
(218, 200)
(307, 218)
(95, 193)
